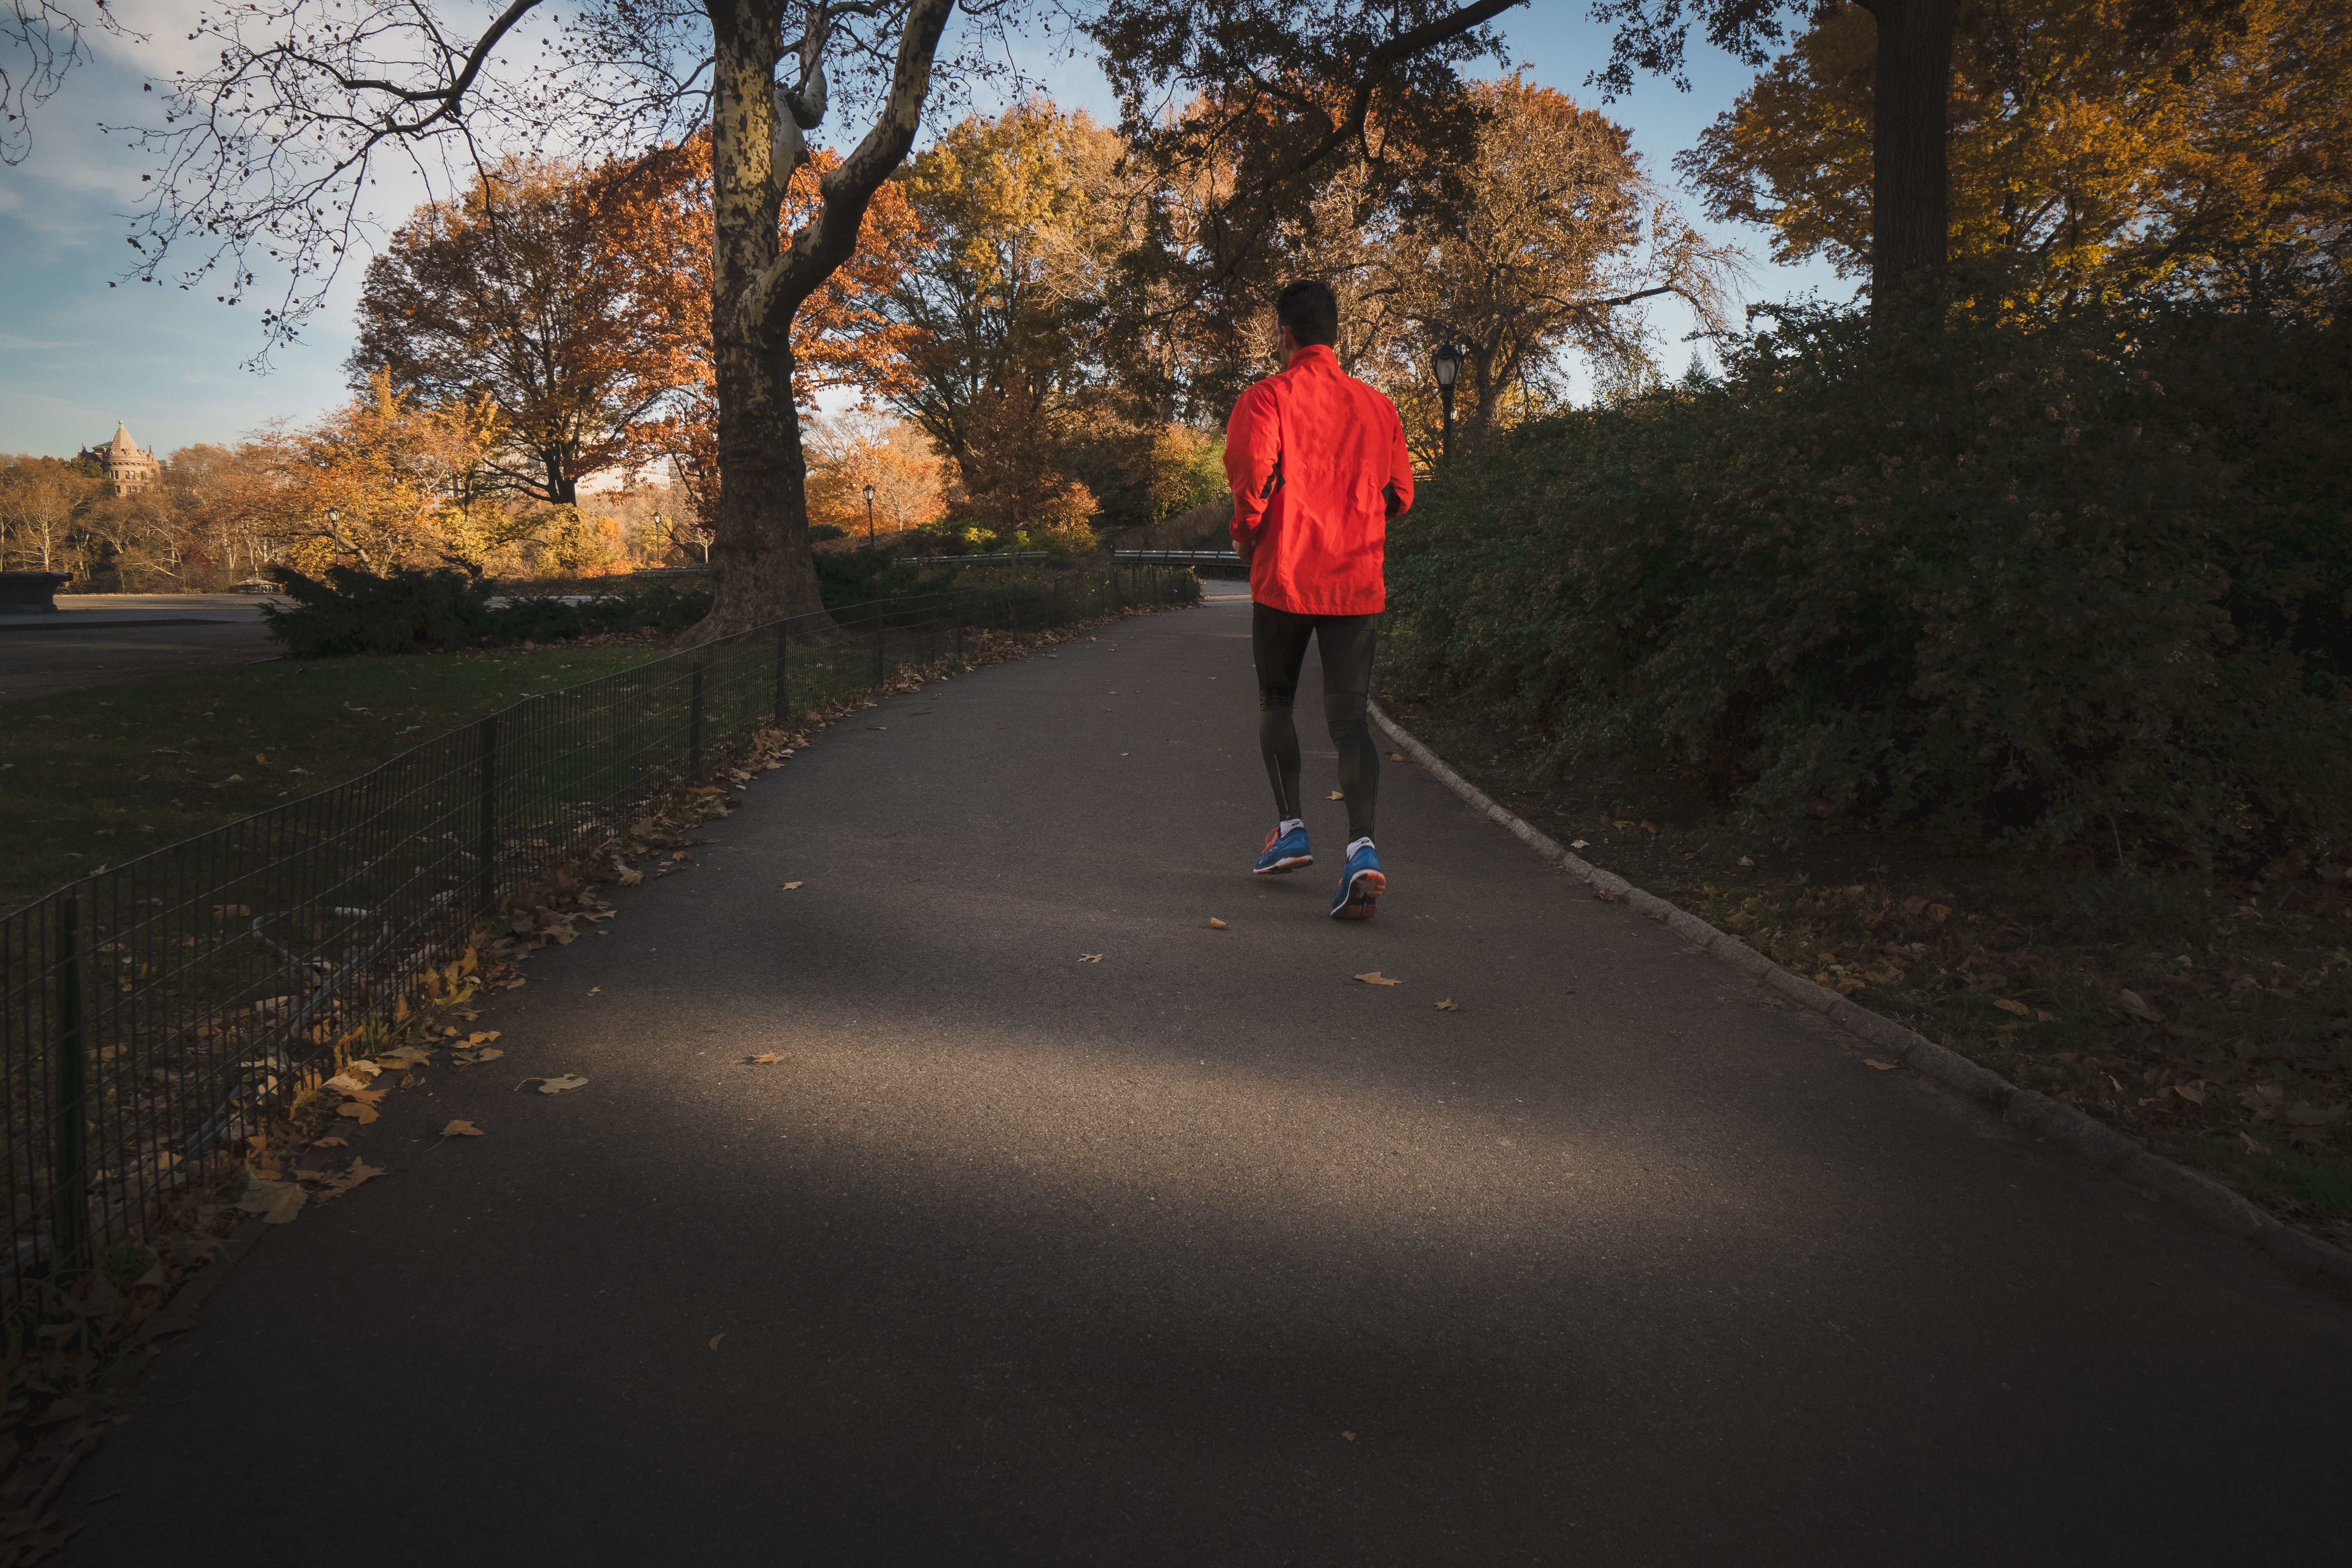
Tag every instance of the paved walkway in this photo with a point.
(98, 639)
(1205, 1253)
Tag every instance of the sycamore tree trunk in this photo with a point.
(1909, 199)
(761, 548)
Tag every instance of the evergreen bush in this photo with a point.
(2022, 587)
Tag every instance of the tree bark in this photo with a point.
(1909, 196)
(764, 569)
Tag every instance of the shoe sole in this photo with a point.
(1364, 890)
(1291, 864)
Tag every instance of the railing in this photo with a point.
(998, 558)
(152, 1014)
(1206, 562)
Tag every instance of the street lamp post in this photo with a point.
(1447, 362)
(335, 527)
(661, 529)
(869, 517)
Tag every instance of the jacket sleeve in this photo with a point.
(1399, 464)
(1252, 460)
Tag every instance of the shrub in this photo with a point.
(2016, 587)
(411, 610)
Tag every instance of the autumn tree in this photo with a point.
(1015, 222)
(843, 336)
(40, 499)
(2088, 158)
(524, 292)
(851, 451)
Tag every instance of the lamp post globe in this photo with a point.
(335, 527)
(1447, 364)
(869, 516)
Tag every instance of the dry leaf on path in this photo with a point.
(2020, 1008)
(2190, 1092)
(1608, 895)
(461, 1130)
(469, 1058)
(1396, 756)
(789, 886)
(1216, 924)
(2253, 1147)
(1339, 794)
(1875, 1062)
(767, 1059)
(2129, 1004)
(1349, 1435)
(1581, 844)
(361, 1113)
(1090, 958)
(558, 1085)
(275, 1202)
(344, 1083)
(714, 1339)
(403, 1057)
(1447, 1006)
(331, 1143)
(1377, 978)
(1746, 861)
(338, 1182)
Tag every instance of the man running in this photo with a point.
(1317, 465)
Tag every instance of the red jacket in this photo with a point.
(1308, 453)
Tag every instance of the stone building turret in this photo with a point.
(132, 470)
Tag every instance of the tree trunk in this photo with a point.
(1910, 96)
(765, 571)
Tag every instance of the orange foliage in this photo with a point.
(841, 337)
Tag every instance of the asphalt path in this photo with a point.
(95, 639)
(1205, 1252)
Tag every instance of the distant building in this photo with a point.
(132, 470)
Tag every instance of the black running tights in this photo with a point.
(1278, 641)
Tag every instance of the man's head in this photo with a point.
(1309, 312)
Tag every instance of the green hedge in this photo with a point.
(2020, 588)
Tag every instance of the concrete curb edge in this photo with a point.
(2204, 1198)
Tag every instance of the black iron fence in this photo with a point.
(152, 1014)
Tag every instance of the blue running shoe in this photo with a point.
(1360, 887)
(1284, 851)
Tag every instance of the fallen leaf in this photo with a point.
(363, 1095)
(2254, 1147)
(2020, 1008)
(1848, 987)
(1608, 895)
(767, 1059)
(629, 875)
(1349, 1435)
(2044, 1018)
(1875, 1062)
(1940, 913)
(595, 990)
(1337, 795)
(1746, 861)
(481, 1036)
(789, 886)
(361, 1113)
(2190, 1093)
(403, 1057)
(461, 1130)
(469, 1058)
(1581, 844)
(714, 1339)
(275, 1202)
(1447, 1006)
(344, 1083)
(1396, 756)
(2129, 1003)
(331, 1143)
(338, 1182)
(558, 1085)
(1377, 978)
(1216, 924)
(1090, 958)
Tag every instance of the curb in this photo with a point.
(2201, 1197)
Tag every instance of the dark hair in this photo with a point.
(1310, 313)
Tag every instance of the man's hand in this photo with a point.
(1395, 502)
(1246, 548)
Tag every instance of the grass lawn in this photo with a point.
(2203, 1015)
(102, 775)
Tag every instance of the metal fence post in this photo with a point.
(782, 645)
(959, 634)
(694, 727)
(486, 769)
(881, 650)
(68, 1064)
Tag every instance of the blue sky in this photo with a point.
(76, 354)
